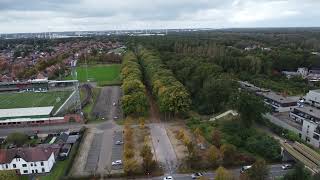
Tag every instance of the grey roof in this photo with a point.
(313, 111)
(277, 97)
(72, 139)
(18, 112)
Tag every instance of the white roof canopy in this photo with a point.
(18, 112)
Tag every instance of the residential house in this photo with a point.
(31, 160)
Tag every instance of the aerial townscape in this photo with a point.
(100, 90)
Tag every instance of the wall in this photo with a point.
(72, 102)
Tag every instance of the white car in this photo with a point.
(196, 175)
(168, 178)
(244, 168)
(117, 162)
(119, 142)
(286, 166)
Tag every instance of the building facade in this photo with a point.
(28, 160)
(277, 102)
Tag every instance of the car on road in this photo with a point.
(286, 166)
(116, 163)
(114, 104)
(168, 178)
(119, 142)
(245, 168)
(115, 117)
(196, 175)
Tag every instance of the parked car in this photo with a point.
(116, 163)
(168, 178)
(119, 142)
(245, 168)
(196, 175)
(115, 117)
(286, 166)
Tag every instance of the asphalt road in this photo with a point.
(163, 148)
(275, 171)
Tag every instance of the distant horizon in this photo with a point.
(163, 29)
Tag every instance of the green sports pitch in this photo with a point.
(33, 99)
(102, 74)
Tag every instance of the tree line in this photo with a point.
(134, 101)
(171, 96)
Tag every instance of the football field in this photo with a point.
(33, 99)
(102, 74)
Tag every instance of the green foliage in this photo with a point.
(17, 138)
(259, 170)
(228, 153)
(134, 101)
(299, 172)
(265, 146)
(8, 175)
(250, 108)
(171, 95)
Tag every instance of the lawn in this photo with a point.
(33, 99)
(102, 74)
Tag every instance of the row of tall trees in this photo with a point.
(134, 101)
(172, 97)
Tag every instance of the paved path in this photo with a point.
(275, 171)
(163, 148)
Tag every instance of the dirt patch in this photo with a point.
(172, 131)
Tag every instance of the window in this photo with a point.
(31, 165)
(6, 166)
(24, 165)
(14, 165)
(36, 170)
(32, 171)
(42, 169)
(25, 171)
(41, 163)
(315, 136)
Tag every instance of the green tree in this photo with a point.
(17, 138)
(299, 172)
(250, 108)
(259, 170)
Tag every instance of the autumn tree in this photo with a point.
(148, 163)
(223, 174)
(216, 138)
(213, 155)
(228, 153)
(259, 170)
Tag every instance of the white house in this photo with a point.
(28, 160)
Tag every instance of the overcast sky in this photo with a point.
(82, 15)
